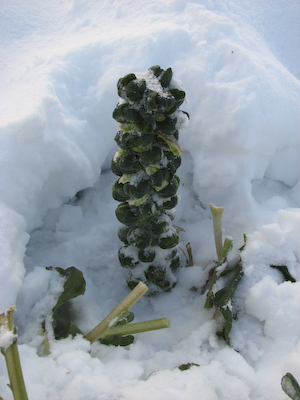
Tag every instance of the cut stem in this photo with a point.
(138, 327)
(217, 222)
(117, 312)
(12, 358)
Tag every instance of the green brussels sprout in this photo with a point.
(179, 96)
(126, 259)
(167, 127)
(175, 263)
(129, 163)
(147, 255)
(150, 207)
(159, 102)
(114, 167)
(159, 224)
(147, 124)
(135, 90)
(168, 240)
(156, 274)
(166, 77)
(122, 233)
(126, 214)
(139, 237)
(160, 178)
(152, 156)
(171, 189)
(137, 191)
(156, 70)
(118, 192)
(174, 160)
(170, 203)
(125, 114)
(122, 82)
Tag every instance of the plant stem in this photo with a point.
(12, 358)
(189, 251)
(117, 312)
(138, 327)
(217, 222)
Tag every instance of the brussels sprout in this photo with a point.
(125, 114)
(114, 167)
(152, 156)
(171, 189)
(122, 233)
(170, 203)
(147, 255)
(160, 178)
(179, 96)
(122, 82)
(126, 214)
(139, 237)
(159, 224)
(135, 90)
(156, 70)
(174, 160)
(118, 192)
(159, 102)
(168, 126)
(129, 163)
(169, 240)
(126, 260)
(157, 274)
(147, 124)
(137, 191)
(166, 77)
(150, 207)
(175, 263)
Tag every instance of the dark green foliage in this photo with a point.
(74, 286)
(147, 161)
(187, 366)
(285, 272)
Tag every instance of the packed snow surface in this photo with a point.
(238, 62)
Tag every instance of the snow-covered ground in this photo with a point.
(239, 63)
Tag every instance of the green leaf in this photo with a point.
(285, 272)
(223, 296)
(74, 286)
(117, 340)
(187, 366)
(290, 386)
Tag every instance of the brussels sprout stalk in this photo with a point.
(9, 348)
(146, 164)
(217, 222)
(117, 312)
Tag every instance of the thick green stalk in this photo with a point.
(117, 312)
(12, 359)
(217, 222)
(137, 327)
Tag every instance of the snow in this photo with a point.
(239, 66)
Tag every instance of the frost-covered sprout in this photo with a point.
(146, 164)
